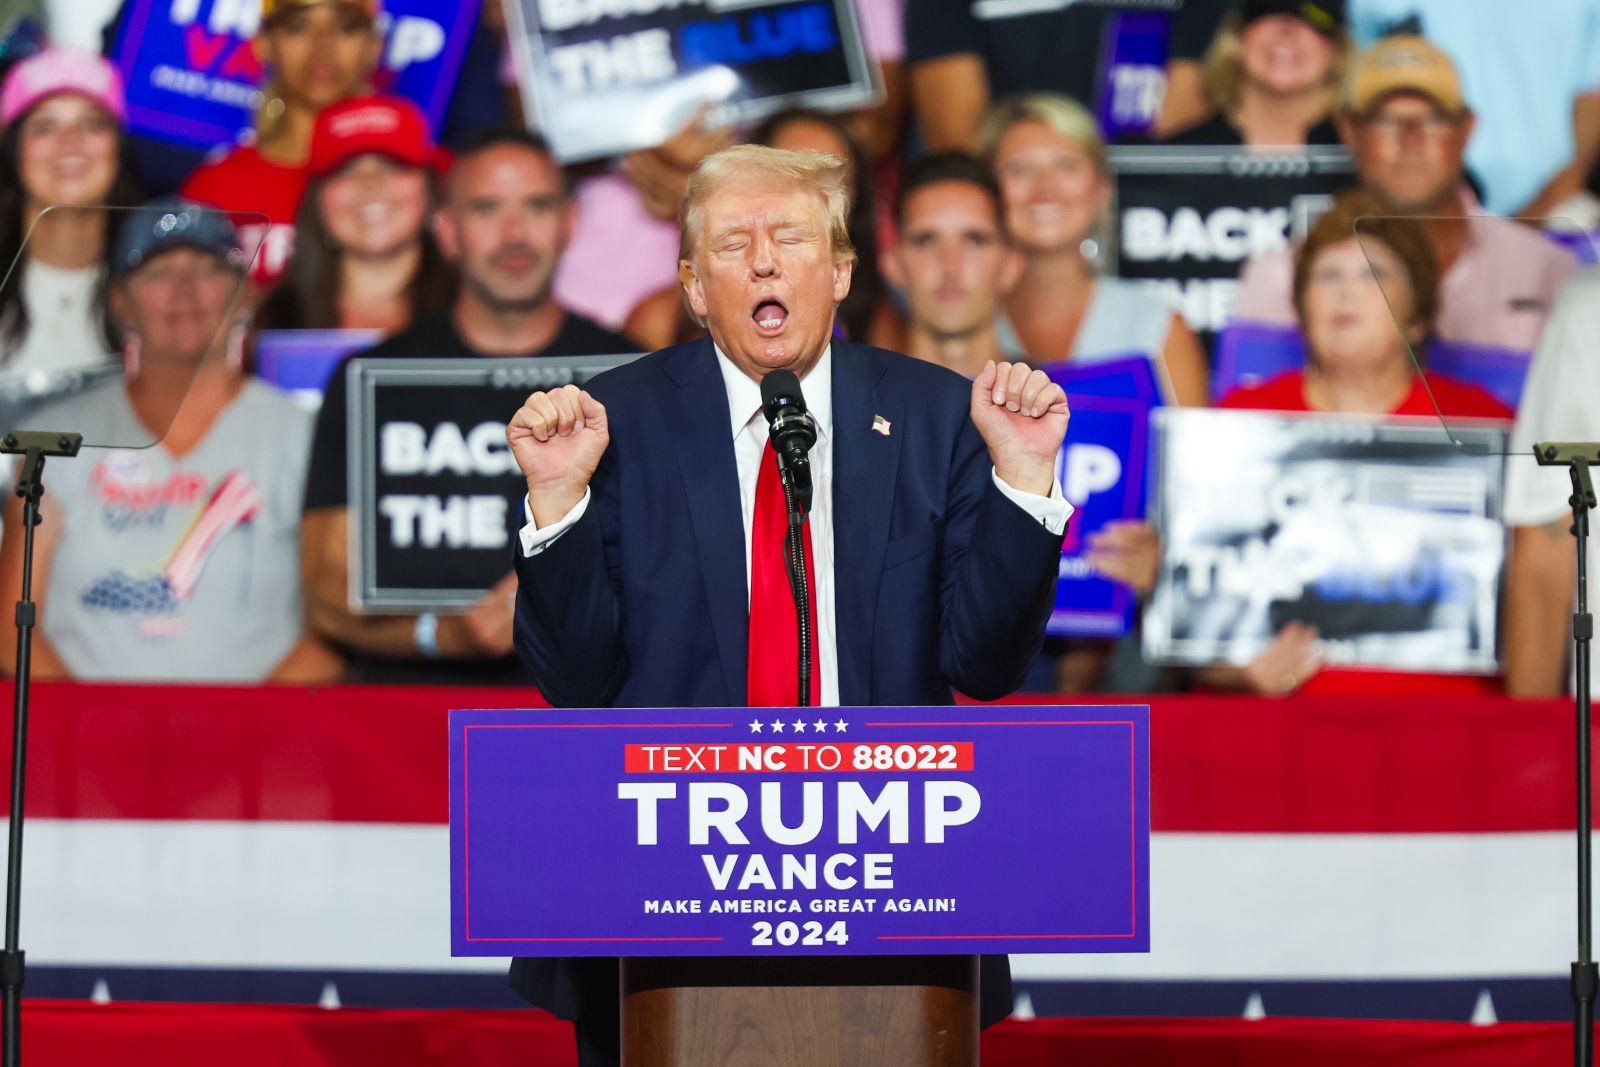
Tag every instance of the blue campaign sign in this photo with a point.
(1102, 469)
(810, 831)
(192, 76)
(301, 361)
(1133, 73)
(1502, 372)
(1249, 353)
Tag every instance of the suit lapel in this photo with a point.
(697, 414)
(865, 466)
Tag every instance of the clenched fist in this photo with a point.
(557, 438)
(1022, 416)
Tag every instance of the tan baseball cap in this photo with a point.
(271, 9)
(1403, 64)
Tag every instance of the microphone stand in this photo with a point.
(799, 577)
(1577, 457)
(33, 447)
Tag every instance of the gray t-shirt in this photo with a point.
(176, 568)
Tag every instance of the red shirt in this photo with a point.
(243, 181)
(1457, 399)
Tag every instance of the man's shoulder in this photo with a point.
(897, 372)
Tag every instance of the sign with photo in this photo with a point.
(1380, 533)
(1187, 218)
(437, 492)
(193, 78)
(799, 831)
(611, 78)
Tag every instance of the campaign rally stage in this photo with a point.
(803, 831)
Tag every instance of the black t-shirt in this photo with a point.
(327, 482)
(1026, 49)
(1217, 130)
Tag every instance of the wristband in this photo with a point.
(425, 635)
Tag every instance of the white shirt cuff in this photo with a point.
(535, 540)
(1052, 511)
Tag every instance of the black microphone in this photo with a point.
(792, 432)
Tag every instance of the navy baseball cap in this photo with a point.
(1327, 17)
(163, 225)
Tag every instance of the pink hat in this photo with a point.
(61, 69)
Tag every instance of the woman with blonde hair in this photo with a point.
(1273, 73)
(317, 53)
(1055, 179)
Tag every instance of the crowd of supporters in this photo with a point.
(985, 204)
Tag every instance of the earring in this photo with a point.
(1089, 249)
(233, 356)
(130, 355)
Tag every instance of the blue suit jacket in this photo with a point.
(941, 582)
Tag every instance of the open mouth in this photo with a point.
(770, 316)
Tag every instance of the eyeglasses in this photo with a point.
(1431, 126)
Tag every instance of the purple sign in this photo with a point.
(1249, 353)
(1102, 471)
(192, 76)
(809, 831)
(301, 361)
(1133, 74)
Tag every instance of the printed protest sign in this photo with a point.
(437, 493)
(1102, 473)
(607, 78)
(799, 831)
(1383, 534)
(193, 78)
(1187, 218)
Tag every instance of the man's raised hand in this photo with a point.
(1022, 416)
(557, 438)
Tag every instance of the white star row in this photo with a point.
(798, 726)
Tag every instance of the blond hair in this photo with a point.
(814, 172)
(1222, 70)
(1063, 115)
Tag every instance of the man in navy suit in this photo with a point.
(934, 535)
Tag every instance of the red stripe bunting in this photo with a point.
(378, 754)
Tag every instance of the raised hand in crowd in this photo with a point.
(661, 173)
(1128, 552)
(1287, 663)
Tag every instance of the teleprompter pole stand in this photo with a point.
(1578, 457)
(33, 447)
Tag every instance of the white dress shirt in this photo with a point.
(748, 428)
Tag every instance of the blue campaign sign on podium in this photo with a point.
(1102, 472)
(799, 831)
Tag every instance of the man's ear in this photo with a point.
(446, 235)
(893, 269)
(1011, 265)
(693, 291)
(842, 273)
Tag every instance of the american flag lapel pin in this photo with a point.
(880, 425)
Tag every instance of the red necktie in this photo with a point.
(774, 663)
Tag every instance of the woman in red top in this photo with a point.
(1365, 305)
(1350, 295)
(318, 52)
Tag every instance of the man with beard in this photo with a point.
(1407, 126)
(505, 218)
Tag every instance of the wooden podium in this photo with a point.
(835, 1011)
